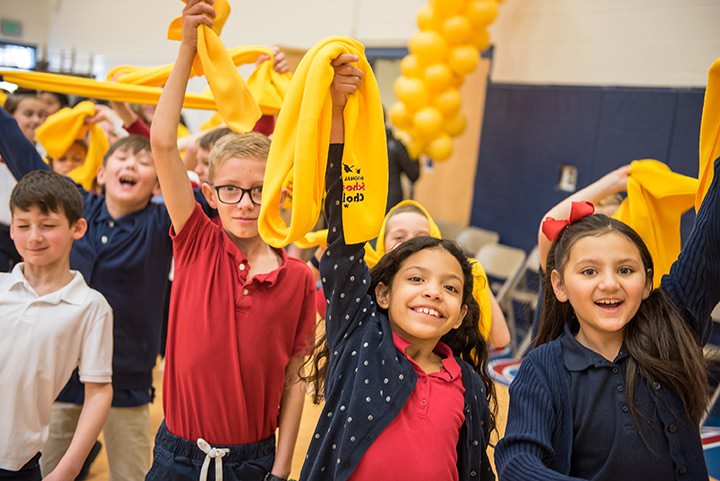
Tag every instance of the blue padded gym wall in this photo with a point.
(529, 132)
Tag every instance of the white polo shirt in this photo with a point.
(42, 339)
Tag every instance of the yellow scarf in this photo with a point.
(98, 89)
(66, 125)
(300, 144)
(709, 132)
(234, 101)
(656, 199)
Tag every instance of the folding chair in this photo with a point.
(502, 265)
(525, 292)
(449, 229)
(472, 238)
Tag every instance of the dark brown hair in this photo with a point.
(207, 141)
(661, 346)
(465, 341)
(132, 143)
(49, 192)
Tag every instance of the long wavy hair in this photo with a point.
(661, 346)
(465, 341)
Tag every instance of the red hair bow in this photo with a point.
(553, 227)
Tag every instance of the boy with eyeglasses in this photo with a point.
(242, 313)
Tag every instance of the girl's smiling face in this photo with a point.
(605, 280)
(424, 300)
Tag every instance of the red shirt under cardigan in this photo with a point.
(427, 427)
(229, 338)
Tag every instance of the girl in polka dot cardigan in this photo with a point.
(406, 394)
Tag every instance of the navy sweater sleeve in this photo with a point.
(535, 419)
(693, 283)
(16, 150)
(343, 271)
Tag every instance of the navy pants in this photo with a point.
(178, 459)
(29, 472)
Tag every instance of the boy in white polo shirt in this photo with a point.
(50, 323)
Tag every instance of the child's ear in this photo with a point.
(382, 295)
(558, 286)
(461, 317)
(79, 228)
(100, 177)
(209, 194)
(648, 284)
(156, 188)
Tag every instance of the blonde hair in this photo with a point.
(249, 146)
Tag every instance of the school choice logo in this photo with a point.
(353, 185)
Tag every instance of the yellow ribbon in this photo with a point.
(656, 199)
(66, 125)
(300, 144)
(709, 132)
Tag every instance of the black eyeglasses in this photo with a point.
(232, 194)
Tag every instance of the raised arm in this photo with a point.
(609, 184)
(174, 182)
(342, 269)
(693, 283)
(16, 150)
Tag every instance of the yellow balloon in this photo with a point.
(448, 102)
(441, 148)
(412, 92)
(427, 20)
(428, 122)
(399, 116)
(414, 148)
(447, 8)
(463, 59)
(481, 39)
(456, 125)
(457, 30)
(429, 46)
(481, 13)
(410, 66)
(438, 77)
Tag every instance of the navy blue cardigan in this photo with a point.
(368, 379)
(539, 435)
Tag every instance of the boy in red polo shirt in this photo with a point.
(241, 315)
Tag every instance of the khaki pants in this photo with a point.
(126, 434)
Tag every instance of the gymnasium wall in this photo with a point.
(529, 132)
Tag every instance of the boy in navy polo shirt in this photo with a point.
(126, 256)
(242, 314)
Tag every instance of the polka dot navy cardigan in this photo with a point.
(368, 380)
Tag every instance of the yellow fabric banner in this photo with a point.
(709, 132)
(300, 146)
(66, 125)
(656, 199)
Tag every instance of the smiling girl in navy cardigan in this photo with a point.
(617, 385)
(399, 401)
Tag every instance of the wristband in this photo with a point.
(315, 262)
(272, 477)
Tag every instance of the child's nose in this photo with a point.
(432, 290)
(608, 281)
